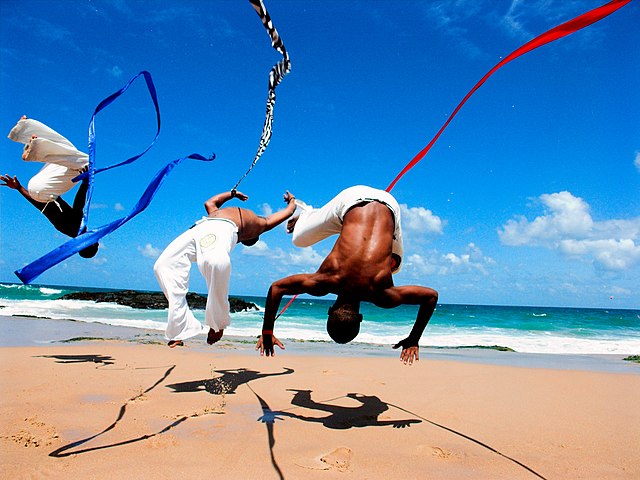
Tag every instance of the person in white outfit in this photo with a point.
(62, 162)
(209, 243)
(358, 268)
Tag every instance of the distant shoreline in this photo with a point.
(327, 299)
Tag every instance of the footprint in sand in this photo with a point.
(440, 453)
(35, 434)
(434, 451)
(340, 458)
(163, 441)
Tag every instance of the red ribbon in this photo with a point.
(286, 306)
(549, 36)
(560, 31)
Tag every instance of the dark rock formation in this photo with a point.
(153, 300)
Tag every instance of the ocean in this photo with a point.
(523, 329)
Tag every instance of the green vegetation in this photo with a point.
(633, 358)
(499, 348)
(86, 339)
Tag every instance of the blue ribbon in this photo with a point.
(91, 170)
(73, 246)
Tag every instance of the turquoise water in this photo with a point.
(524, 329)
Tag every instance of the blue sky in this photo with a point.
(530, 197)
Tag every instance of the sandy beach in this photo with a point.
(126, 406)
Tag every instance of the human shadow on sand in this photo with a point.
(227, 383)
(103, 359)
(366, 414)
(64, 450)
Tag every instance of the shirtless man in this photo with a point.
(358, 268)
(209, 243)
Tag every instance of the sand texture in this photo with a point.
(112, 409)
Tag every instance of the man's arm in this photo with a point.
(427, 298)
(293, 285)
(277, 218)
(215, 202)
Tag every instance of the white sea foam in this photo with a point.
(50, 291)
(311, 328)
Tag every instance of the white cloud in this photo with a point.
(149, 251)
(421, 264)
(451, 17)
(115, 71)
(471, 260)
(260, 249)
(612, 254)
(567, 216)
(615, 290)
(99, 260)
(420, 220)
(511, 20)
(532, 11)
(305, 257)
(567, 226)
(298, 256)
(122, 7)
(118, 207)
(636, 162)
(266, 209)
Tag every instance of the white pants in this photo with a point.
(62, 160)
(316, 224)
(209, 244)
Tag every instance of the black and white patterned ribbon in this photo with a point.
(276, 75)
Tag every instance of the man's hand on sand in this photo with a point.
(409, 351)
(265, 345)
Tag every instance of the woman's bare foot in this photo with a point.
(175, 343)
(213, 336)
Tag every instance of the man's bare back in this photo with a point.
(250, 226)
(358, 268)
(360, 260)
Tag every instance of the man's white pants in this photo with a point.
(62, 160)
(316, 224)
(209, 244)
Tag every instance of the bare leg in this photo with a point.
(213, 336)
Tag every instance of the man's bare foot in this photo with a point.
(175, 343)
(213, 336)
